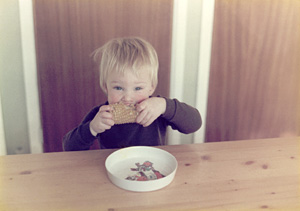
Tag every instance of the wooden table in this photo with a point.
(249, 174)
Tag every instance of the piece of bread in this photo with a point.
(124, 113)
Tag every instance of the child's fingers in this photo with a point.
(140, 107)
(103, 120)
(108, 121)
(145, 118)
(106, 115)
(99, 124)
(107, 124)
(147, 121)
(150, 109)
(141, 116)
(105, 108)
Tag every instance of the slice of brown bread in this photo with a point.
(124, 113)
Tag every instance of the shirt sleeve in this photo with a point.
(81, 138)
(182, 117)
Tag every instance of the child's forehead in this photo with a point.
(129, 77)
(138, 72)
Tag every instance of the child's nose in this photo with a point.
(128, 98)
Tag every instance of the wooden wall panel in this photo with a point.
(67, 32)
(255, 70)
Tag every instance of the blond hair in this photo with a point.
(122, 54)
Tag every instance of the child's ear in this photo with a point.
(105, 89)
(152, 90)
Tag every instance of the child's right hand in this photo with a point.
(102, 121)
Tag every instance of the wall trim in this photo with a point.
(2, 133)
(177, 61)
(30, 75)
(207, 19)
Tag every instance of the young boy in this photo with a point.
(128, 75)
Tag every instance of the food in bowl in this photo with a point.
(145, 172)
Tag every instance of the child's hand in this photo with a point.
(150, 109)
(102, 121)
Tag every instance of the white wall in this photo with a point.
(19, 93)
(30, 76)
(191, 49)
(2, 136)
(13, 102)
(204, 58)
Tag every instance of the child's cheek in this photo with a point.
(113, 98)
(141, 98)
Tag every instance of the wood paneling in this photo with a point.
(255, 70)
(67, 32)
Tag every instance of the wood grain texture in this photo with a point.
(254, 89)
(234, 175)
(67, 32)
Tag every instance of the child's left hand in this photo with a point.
(150, 109)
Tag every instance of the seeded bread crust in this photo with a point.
(124, 113)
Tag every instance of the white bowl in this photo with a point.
(120, 162)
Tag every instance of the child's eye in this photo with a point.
(118, 88)
(138, 88)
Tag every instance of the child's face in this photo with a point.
(128, 88)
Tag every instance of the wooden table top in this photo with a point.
(241, 175)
